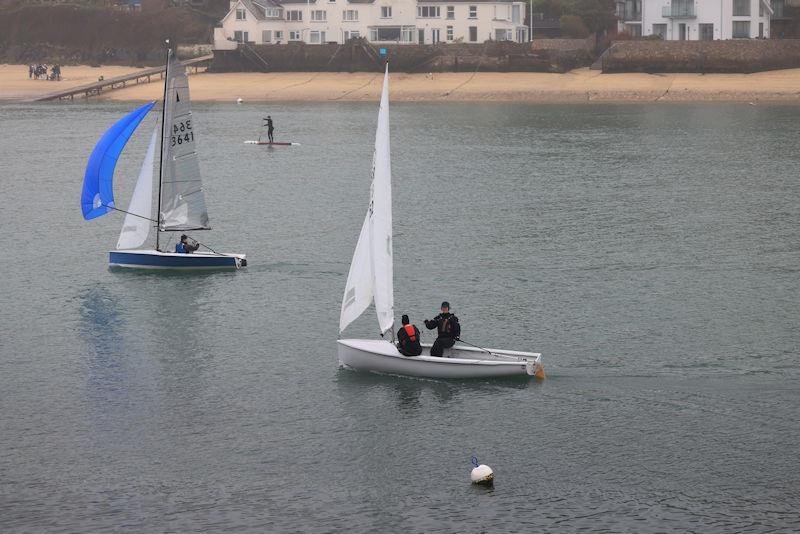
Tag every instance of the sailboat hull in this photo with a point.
(153, 259)
(458, 362)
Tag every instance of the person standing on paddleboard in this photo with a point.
(270, 129)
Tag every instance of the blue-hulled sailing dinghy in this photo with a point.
(181, 203)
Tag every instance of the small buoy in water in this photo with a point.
(239, 100)
(481, 474)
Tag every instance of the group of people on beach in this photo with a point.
(448, 331)
(39, 72)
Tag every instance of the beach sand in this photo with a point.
(15, 84)
(580, 85)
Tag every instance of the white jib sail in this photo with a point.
(372, 270)
(136, 229)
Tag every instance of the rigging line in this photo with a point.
(130, 213)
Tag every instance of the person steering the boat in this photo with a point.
(184, 247)
(408, 339)
(449, 330)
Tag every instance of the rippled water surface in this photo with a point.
(650, 252)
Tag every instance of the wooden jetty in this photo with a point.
(118, 82)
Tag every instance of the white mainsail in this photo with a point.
(372, 270)
(183, 204)
(136, 226)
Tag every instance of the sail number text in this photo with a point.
(182, 132)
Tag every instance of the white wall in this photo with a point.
(404, 13)
(716, 12)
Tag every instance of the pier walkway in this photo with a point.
(118, 82)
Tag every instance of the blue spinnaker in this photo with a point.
(97, 197)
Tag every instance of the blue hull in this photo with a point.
(154, 260)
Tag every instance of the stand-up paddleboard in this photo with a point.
(271, 143)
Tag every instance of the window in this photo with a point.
(741, 8)
(741, 29)
(241, 14)
(760, 30)
(760, 8)
(403, 34)
(266, 36)
(515, 14)
(473, 34)
(294, 35)
(351, 35)
(278, 36)
(386, 12)
(660, 30)
(777, 8)
(451, 12)
(473, 14)
(706, 32)
(319, 15)
(449, 33)
(316, 37)
(273, 13)
(428, 12)
(350, 15)
(502, 35)
(501, 12)
(241, 37)
(294, 15)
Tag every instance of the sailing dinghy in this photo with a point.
(371, 280)
(180, 198)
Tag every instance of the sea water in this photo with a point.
(649, 252)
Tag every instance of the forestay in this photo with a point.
(183, 204)
(136, 226)
(97, 197)
(371, 271)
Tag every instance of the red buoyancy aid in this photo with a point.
(412, 335)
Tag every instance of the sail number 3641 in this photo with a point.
(182, 132)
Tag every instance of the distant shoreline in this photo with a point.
(580, 85)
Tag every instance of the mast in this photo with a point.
(161, 158)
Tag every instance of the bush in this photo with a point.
(573, 26)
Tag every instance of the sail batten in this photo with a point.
(97, 197)
(370, 278)
(183, 204)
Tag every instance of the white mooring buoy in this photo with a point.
(239, 100)
(481, 474)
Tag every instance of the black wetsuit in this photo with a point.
(406, 345)
(449, 330)
(270, 130)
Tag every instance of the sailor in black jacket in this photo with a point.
(448, 330)
(408, 339)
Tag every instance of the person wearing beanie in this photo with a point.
(408, 339)
(449, 330)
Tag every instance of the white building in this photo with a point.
(379, 21)
(695, 20)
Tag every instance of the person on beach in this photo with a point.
(270, 129)
(449, 330)
(183, 247)
(408, 339)
(30, 71)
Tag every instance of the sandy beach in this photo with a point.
(580, 85)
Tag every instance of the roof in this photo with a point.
(467, 1)
(298, 2)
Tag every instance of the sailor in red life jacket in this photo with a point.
(448, 329)
(408, 339)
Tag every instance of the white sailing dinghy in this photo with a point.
(371, 280)
(181, 202)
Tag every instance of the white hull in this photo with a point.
(381, 356)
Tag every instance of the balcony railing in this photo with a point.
(629, 15)
(679, 11)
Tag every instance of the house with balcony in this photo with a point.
(696, 20)
(378, 21)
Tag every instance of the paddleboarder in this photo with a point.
(408, 339)
(449, 330)
(270, 128)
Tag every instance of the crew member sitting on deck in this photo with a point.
(184, 247)
(408, 339)
(448, 327)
